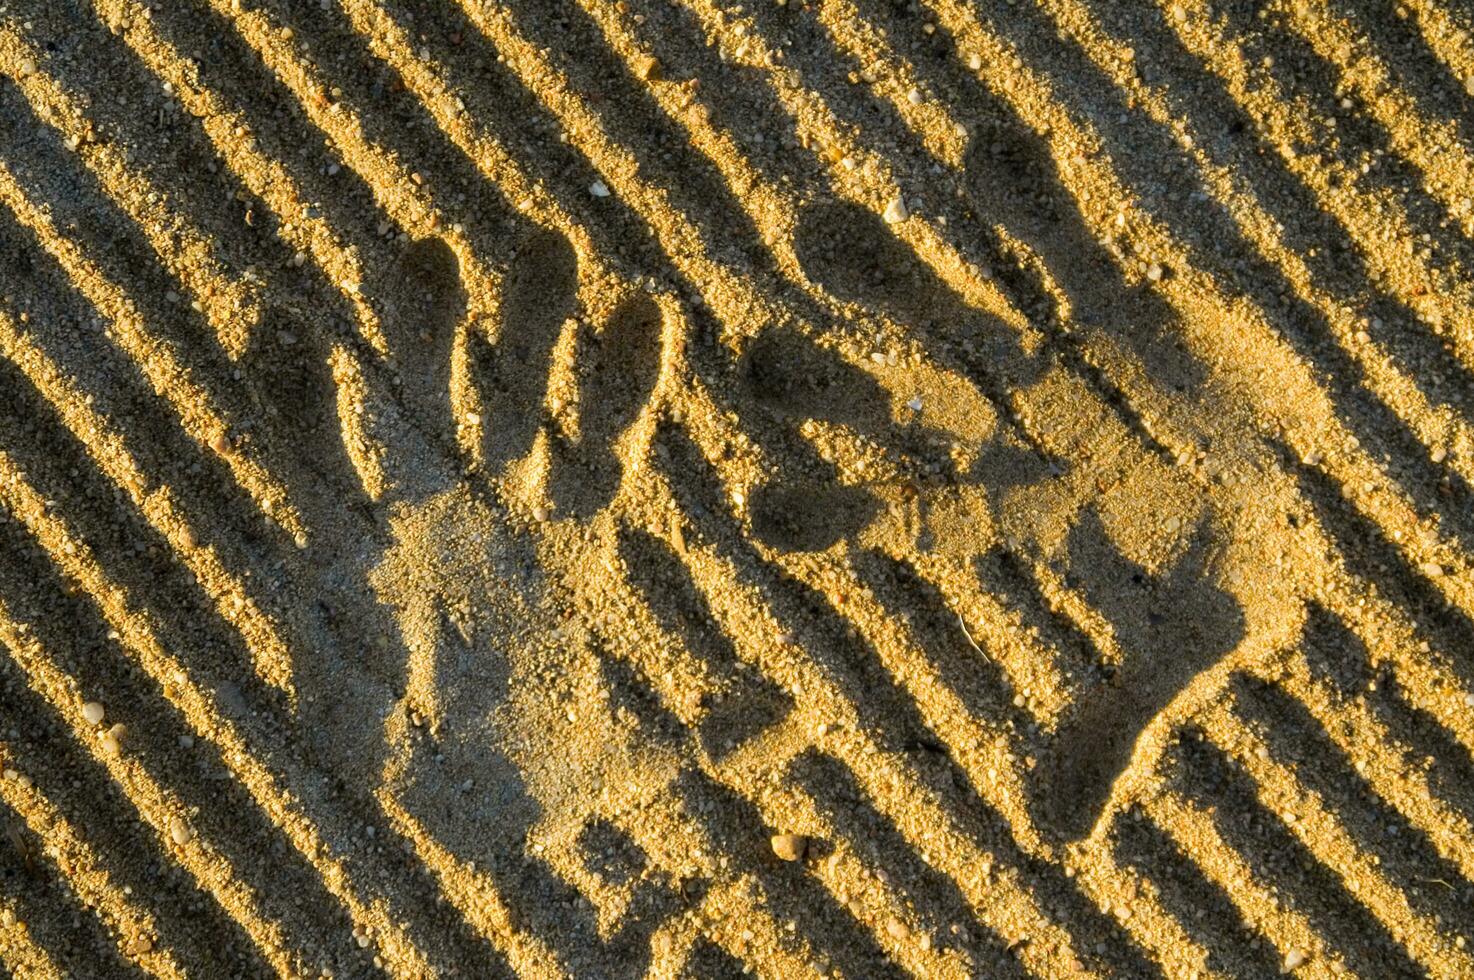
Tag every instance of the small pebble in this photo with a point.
(1294, 959)
(540, 513)
(897, 929)
(179, 831)
(599, 189)
(915, 403)
(92, 713)
(1469, 85)
(790, 847)
(1154, 272)
(1439, 454)
(186, 741)
(647, 68)
(914, 97)
(7, 918)
(219, 443)
(896, 211)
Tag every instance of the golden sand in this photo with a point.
(796, 488)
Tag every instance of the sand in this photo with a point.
(840, 488)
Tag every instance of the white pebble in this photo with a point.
(92, 713)
(179, 831)
(896, 211)
(915, 403)
(599, 189)
(1294, 959)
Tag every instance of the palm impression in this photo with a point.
(604, 540)
(493, 445)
